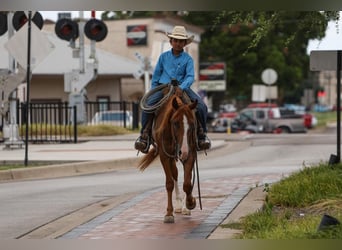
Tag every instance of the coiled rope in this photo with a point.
(151, 108)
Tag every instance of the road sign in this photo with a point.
(323, 60)
(136, 35)
(17, 46)
(212, 76)
(269, 76)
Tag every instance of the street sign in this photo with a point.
(17, 46)
(136, 35)
(269, 76)
(323, 60)
(212, 76)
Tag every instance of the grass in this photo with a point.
(102, 130)
(325, 117)
(294, 206)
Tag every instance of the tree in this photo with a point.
(251, 41)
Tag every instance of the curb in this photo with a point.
(74, 168)
(66, 169)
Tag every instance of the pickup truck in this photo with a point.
(271, 120)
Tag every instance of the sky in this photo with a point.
(332, 40)
(53, 15)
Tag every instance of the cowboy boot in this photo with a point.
(144, 140)
(203, 141)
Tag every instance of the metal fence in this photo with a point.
(57, 122)
(100, 113)
(48, 122)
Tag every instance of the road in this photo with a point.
(26, 205)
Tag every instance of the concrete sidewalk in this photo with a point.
(89, 155)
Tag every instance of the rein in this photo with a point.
(175, 155)
(192, 138)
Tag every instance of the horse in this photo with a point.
(174, 139)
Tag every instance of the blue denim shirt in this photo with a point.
(169, 67)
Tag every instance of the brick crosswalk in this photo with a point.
(142, 216)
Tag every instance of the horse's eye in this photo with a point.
(176, 125)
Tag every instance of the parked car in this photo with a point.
(310, 121)
(238, 124)
(271, 120)
(113, 117)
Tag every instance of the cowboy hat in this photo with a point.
(179, 32)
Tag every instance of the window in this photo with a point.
(260, 114)
(103, 103)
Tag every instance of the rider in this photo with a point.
(174, 64)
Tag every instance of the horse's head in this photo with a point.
(183, 123)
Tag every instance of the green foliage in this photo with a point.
(295, 205)
(323, 118)
(251, 41)
(307, 186)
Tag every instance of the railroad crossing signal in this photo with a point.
(94, 29)
(18, 21)
(20, 18)
(66, 29)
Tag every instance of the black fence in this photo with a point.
(48, 122)
(57, 122)
(122, 114)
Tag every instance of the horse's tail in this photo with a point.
(148, 159)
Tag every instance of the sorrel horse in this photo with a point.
(174, 137)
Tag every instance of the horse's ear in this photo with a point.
(193, 104)
(175, 104)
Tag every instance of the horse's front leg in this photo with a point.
(169, 170)
(190, 201)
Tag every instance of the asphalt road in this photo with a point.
(29, 204)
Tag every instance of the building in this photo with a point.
(119, 67)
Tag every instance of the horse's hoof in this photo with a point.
(191, 205)
(186, 211)
(169, 219)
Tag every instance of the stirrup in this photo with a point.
(142, 145)
(203, 143)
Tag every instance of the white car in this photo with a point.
(113, 117)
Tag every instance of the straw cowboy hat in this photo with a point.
(179, 32)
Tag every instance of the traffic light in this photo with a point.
(20, 18)
(95, 30)
(3, 23)
(66, 29)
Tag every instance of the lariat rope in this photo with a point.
(152, 108)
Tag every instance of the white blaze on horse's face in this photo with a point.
(185, 145)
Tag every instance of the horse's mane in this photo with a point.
(167, 110)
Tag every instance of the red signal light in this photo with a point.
(66, 29)
(20, 18)
(96, 30)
